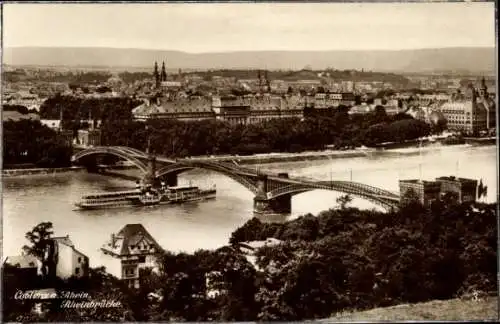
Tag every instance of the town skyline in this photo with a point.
(251, 27)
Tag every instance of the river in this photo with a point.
(30, 200)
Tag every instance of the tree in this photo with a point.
(343, 201)
(38, 237)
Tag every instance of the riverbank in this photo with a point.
(288, 157)
(324, 155)
(7, 173)
(481, 141)
(269, 157)
(38, 171)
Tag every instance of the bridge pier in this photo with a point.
(91, 165)
(264, 206)
(278, 205)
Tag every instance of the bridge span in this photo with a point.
(272, 192)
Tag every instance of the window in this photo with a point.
(77, 270)
(79, 260)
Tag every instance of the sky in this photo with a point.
(198, 28)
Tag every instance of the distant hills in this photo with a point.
(459, 59)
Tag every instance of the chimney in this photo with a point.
(113, 241)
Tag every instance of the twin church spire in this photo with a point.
(160, 77)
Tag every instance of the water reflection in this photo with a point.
(28, 201)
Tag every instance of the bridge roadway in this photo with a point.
(272, 191)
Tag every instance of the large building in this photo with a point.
(463, 190)
(130, 250)
(425, 192)
(331, 100)
(459, 189)
(232, 109)
(252, 109)
(470, 112)
(197, 108)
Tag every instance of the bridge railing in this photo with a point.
(113, 151)
(385, 201)
(242, 174)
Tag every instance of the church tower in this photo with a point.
(471, 93)
(259, 76)
(483, 90)
(268, 83)
(163, 72)
(156, 76)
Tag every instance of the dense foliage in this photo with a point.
(80, 77)
(19, 108)
(181, 138)
(75, 108)
(347, 258)
(131, 77)
(30, 142)
(342, 259)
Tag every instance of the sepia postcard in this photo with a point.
(249, 162)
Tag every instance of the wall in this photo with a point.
(78, 260)
(65, 266)
(112, 264)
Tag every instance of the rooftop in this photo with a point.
(64, 240)
(22, 261)
(128, 238)
(452, 178)
(424, 182)
(16, 116)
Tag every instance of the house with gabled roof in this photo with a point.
(130, 250)
(60, 259)
(67, 261)
(25, 268)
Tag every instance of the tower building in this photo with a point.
(163, 73)
(156, 76)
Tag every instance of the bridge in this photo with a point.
(272, 192)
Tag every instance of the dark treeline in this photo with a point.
(78, 108)
(180, 138)
(341, 260)
(89, 77)
(20, 109)
(174, 138)
(131, 77)
(30, 142)
(349, 258)
(346, 75)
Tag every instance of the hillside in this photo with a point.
(450, 310)
(477, 60)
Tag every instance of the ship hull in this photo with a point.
(134, 201)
